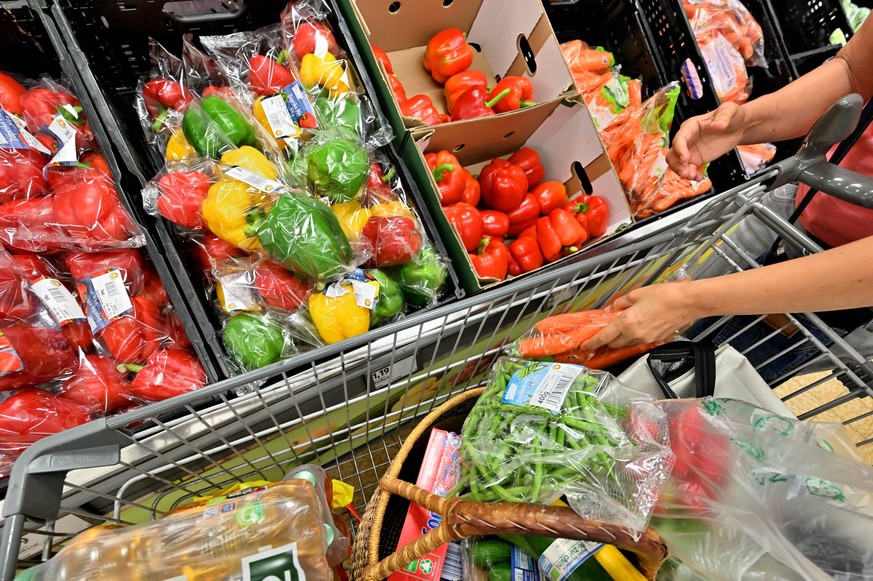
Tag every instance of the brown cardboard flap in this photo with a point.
(415, 21)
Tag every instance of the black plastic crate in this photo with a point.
(108, 40)
(32, 46)
(806, 26)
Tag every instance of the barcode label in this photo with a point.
(543, 385)
(523, 566)
(252, 179)
(236, 292)
(65, 135)
(14, 135)
(453, 568)
(111, 294)
(366, 294)
(282, 126)
(58, 300)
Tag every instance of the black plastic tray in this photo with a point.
(32, 46)
(805, 26)
(108, 41)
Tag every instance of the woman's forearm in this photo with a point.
(840, 278)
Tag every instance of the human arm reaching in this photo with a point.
(840, 278)
(789, 112)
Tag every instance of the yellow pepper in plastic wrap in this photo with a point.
(337, 314)
(391, 209)
(178, 147)
(230, 208)
(352, 218)
(251, 159)
(324, 71)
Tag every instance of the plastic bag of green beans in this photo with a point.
(542, 431)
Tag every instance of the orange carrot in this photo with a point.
(604, 357)
(567, 322)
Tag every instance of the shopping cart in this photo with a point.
(350, 410)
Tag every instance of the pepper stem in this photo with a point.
(526, 104)
(392, 172)
(159, 120)
(125, 367)
(440, 171)
(282, 58)
(571, 249)
(483, 245)
(497, 98)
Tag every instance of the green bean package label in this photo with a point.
(542, 431)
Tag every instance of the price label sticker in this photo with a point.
(543, 385)
(299, 107)
(58, 300)
(281, 123)
(65, 134)
(14, 135)
(366, 294)
(105, 299)
(236, 292)
(252, 179)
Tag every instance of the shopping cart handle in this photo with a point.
(810, 166)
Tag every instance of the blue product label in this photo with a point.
(523, 567)
(105, 299)
(298, 103)
(564, 556)
(542, 385)
(10, 134)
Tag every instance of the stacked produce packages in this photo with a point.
(275, 176)
(86, 326)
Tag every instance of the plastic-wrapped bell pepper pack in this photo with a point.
(275, 181)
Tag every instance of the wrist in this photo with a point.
(697, 303)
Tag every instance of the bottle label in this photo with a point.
(564, 556)
(105, 299)
(543, 385)
(58, 300)
(281, 563)
(10, 361)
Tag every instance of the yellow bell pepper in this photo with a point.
(340, 317)
(230, 208)
(251, 159)
(178, 147)
(391, 209)
(261, 117)
(324, 71)
(352, 218)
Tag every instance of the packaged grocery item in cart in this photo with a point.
(541, 431)
(757, 495)
(730, 20)
(756, 157)
(275, 533)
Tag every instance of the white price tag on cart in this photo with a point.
(383, 376)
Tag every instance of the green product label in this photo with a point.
(279, 564)
(773, 423)
(824, 489)
(250, 514)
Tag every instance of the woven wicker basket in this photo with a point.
(375, 557)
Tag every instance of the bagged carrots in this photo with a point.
(755, 157)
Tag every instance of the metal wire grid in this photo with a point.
(346, 413)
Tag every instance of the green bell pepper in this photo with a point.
(338, 169)
(254, 340)
(215, 126)
(421, 279)
(391, 300)
(341, 114)
(304, 235)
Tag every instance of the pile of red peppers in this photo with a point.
(448, 58)
(86, 325)
(508, 218)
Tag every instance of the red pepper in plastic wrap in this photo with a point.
(312, 37)
(33, 355)
(42, 105)
(181, 198)
(83, 265)
(212, 249)
(21, 174)
(98, 385)
(378, 189)
(153, 288)
(10, 94)
(166, 373)
(279, 288)
(91, 211)
(31, 414)
(133, 337)
(162, 94)
(391, 240)
(268, 76)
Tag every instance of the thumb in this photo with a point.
(723, 117)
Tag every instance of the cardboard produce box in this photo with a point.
(569, 149)
(509, 37)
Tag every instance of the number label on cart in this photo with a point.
(279, 564)
(383, 376)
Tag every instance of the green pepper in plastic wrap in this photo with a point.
(391, 301)
(422, 278)
(340, 114)
(254, 340)
(304, 235)
(338, 169)
(215, 126)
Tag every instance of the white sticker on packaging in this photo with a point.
(14, 134)
(545, 386)
(282, 126)
(366, 294)
(111, 293)
(58, 300)
(723, 62)
(564, 556)
(253, 179)
(65, 134)
(238, 292)
(71, 110)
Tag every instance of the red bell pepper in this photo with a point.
(28, 214)
(60, 177)
(166, 373)
(450, 177)
(391, 240)
(133, 337)
(529, 232)
(379, 189)
(312, 37)
(98, 386)
(592, 212)
(421, 107)
(491, 259)
(526, 213)
(21, 174)
(212, 249)
(513, 269)
(16, 302)
(558, 231)
(41, 106)
(278, 288)
(90, 210)
(32, 267)
(520, 94)
(40, 355)
(32, 414)
(162, 94)
(467, 222)
(548, 239)
(96, 161)
(551, 196)
(178, 337)
(382, 57)
(10, 94)
(459, 83)
(472, 190)
(503, 185)
(495, 224)
(128, 261)
(529, 160)
(397, 89)
(268, 76)
(474, 103)
(447, 54)
(526, 253)
(78, 333)
(153, 288)
(181, 198)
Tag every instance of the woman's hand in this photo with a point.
(650, 314)
(704, 138)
